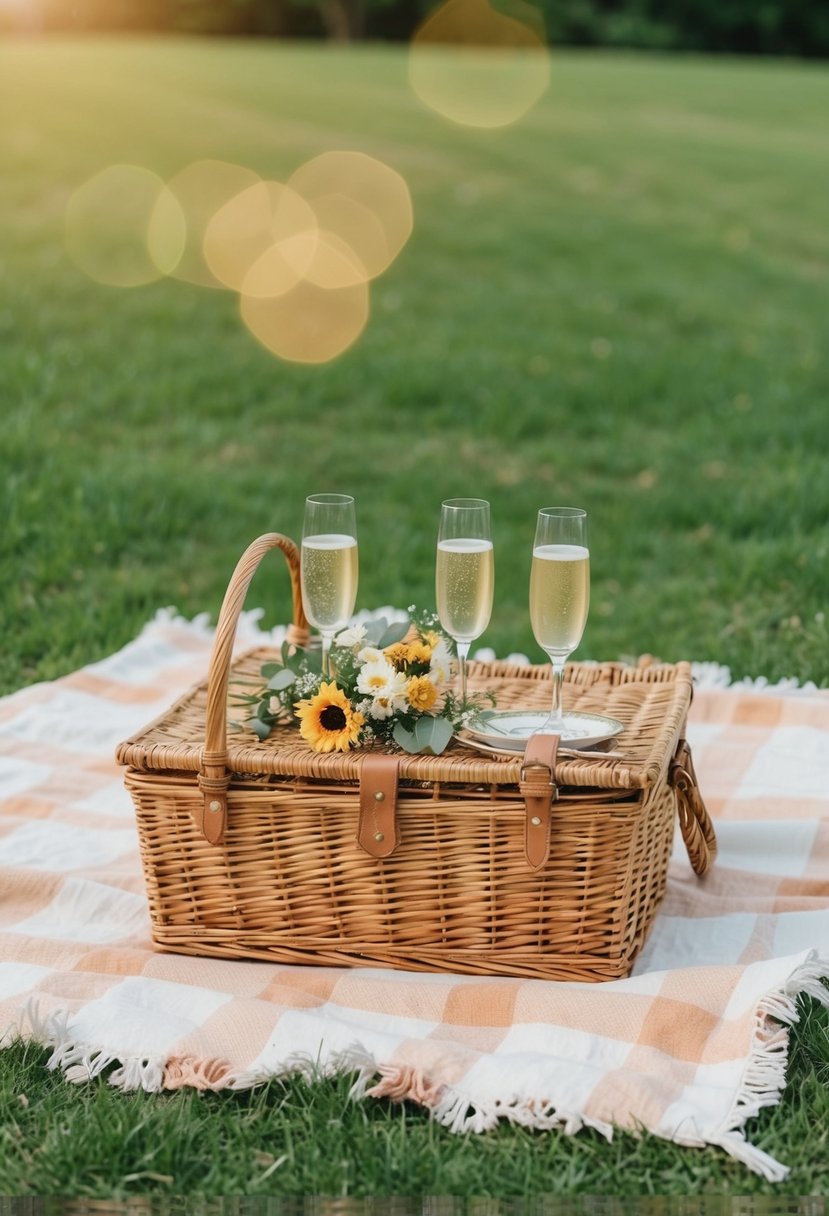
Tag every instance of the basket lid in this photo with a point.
(650, 700)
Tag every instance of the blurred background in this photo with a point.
(770, 27)
(568, 253)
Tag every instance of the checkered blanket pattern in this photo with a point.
(688, 1047)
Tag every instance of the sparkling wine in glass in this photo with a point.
(464, 574)
(328, 565)
(559, 594)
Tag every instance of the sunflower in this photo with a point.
(421, 693)
(327, 721)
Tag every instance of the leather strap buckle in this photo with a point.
(539, 790)
(535, 764)
(377, 831)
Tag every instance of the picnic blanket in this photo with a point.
(689, 1047)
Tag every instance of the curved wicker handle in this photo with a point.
(694, 820)
(213, 776)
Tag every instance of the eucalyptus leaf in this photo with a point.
(395, 633)
(308, 660)
(432, 734)
(284, 678)
(375, 630)
(405, 738)
(270, 669)
(259, 727)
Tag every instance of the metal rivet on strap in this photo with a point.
(215, 805)
(535, 821)
(379, 796)
(379, 836)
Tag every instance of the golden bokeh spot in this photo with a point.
(334, 263)
(479, 67)
(166, 232)
(200, 190)
(362, 201)
(107, 225)
(269, 219)
(358, 227)
(309, 323)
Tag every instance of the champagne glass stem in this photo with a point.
(326, 651)
(463, 651)
(556, 718)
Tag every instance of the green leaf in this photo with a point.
(394, 633)
(284, 678)
(375, 630)
(405, 738)
(270, 669)
(433, 734)
(311, 661)
(259, 727)
(430, 735)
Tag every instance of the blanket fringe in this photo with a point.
(763, 1080)
(80, 1062)
(764, 1077)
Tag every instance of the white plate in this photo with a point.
(510, 730)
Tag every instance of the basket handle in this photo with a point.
(694, 820)
(214, 777)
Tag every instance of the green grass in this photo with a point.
(293, 1138)
(620, 302)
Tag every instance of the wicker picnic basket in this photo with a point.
(462, 862)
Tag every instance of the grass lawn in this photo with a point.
(620, 302)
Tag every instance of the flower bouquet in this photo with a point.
(388, 683)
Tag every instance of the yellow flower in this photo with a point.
(398, 654)
(431, 637)
(420, 652)
(327, 721)
(421, 693)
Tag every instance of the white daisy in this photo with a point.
(440, 668)
(350, 637)
(380, 681)
(369, 654)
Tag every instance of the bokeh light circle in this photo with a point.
(479, 67)
(310, 323)
(360, 200)
(107, 225)
(267, 218)
(200, 189)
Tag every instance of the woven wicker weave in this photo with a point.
(288, 881)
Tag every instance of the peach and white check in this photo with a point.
(689, 1047)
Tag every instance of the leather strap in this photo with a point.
(210, 814)
(539, 791)
(377, 833)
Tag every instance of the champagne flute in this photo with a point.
(328, 565)
(464, 574)
(559, 594)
